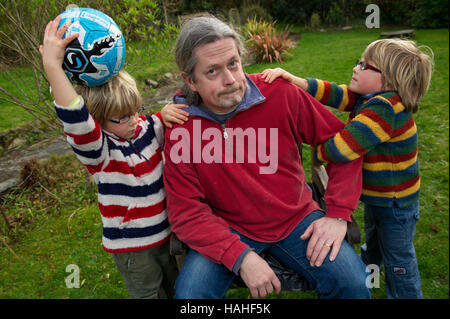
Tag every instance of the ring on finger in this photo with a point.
(327, 244)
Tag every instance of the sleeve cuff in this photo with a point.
(76, 103)
(339, 212)
(239, 260)
(233, 253)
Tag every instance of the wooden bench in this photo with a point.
(399, 34)
(290, 280)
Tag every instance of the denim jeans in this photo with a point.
(342, 278)
(389, 239)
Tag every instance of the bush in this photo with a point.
(265, 43)
(254, 26)
(430, 14)
(335, 15)
(315, 22)
(254, 11)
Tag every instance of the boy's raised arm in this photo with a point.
(52, 52)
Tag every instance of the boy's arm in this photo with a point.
(52, 52)
(328, 93)
(83, 132)
(331, 94)
(371, 127)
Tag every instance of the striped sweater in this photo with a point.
(128, 173)
(383, 132)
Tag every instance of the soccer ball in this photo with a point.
(99, 51)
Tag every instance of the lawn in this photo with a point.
(57, 224)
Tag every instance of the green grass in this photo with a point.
(52, 228)
(48, 233)
(10, 114)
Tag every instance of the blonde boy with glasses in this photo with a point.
(123, 152)
(386, 87)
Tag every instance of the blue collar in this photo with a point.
(252, 96)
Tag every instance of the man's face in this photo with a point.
(219, 78)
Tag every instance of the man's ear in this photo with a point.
(189, 81)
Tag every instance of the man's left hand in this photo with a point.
(325, 233)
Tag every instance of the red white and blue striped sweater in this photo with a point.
(128, 173)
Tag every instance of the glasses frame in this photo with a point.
(124, 119)
(363, 65)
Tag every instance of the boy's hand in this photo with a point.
(53, 48)
(269, 75)
(172, 113)
(52, 52)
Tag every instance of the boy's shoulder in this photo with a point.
(386, 98)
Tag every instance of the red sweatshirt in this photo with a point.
(209, 190)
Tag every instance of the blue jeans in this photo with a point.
(342, 278)
(389, 239)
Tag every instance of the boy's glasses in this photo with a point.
(124, 119)
(366, 66)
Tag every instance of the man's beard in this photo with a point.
(232, 101)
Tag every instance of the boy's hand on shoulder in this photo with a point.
(53, 47)
(269, 75)
(173, 113)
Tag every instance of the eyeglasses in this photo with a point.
(124, 119)
(366, 66)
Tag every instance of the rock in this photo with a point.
(17, 142)
(151, 83)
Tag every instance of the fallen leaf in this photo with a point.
(434, 228)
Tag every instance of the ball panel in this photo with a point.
(99, 51)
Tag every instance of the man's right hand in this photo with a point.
(258, 276)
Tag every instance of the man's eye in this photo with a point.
(212, 71)
(233, 64)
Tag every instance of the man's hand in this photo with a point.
(258, 276)
(324, 233)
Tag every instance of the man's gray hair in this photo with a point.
(196, 32)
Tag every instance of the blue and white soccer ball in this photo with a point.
(99, 51)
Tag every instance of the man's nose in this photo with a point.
(228, 77)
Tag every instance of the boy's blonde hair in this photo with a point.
(406, 68)
(117, 97)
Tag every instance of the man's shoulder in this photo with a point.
(278, 86)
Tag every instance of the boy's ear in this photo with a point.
(189, 81)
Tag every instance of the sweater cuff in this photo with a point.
(339, 212)
(238, 263)
(232, 254)
(76, 103)
(312, 86)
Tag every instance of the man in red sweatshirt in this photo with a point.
(235, 183)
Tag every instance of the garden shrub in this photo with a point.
(265, 43)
